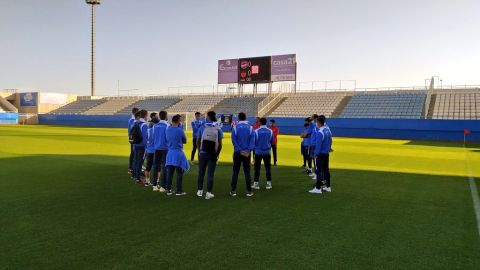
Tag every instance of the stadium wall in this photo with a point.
(8, 118)
(414, 129)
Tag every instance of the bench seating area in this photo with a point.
(79, 106)
(457, 106)
(234, 105)
(398, 105)
(195, 104)
(151, 104)
(111, 106)
(303, 105)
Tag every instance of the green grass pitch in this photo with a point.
(66, 202)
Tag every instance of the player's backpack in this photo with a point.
(136, 134)
(209, 141)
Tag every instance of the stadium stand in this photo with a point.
(234, 105)
(304, 104)
(79, 106)
(195, 104)
(405, 104)
(456, 106)
(6, 106)
(112, 105)
(151, 104)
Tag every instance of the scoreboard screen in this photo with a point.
(254, 70)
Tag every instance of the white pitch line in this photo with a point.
(476, 200)
(474, 191)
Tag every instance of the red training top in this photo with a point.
(256, 126)
(275, 130)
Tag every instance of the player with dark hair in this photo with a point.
(131, 122)
(243, 140)
(323, 146)
(141, 128)
(307, 161)
(263, 144)
(274, 128)
(310, 134)
(160, 156)
(209, 143)
(196, 124)
(150, 148)
(176, 159)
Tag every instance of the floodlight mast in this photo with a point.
(93, 3)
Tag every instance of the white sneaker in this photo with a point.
(162, 189)
(155, 189)
(233, 193)
(249, 194)
(255, 185)
(315, 191)
(314, 177)
(269, 185)
(209, 196)
(328, 189)
(200, 193)
(312, 174)
(181, 194)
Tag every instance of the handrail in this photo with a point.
(426, 106)
(262, 109)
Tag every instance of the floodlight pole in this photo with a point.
(93, 3)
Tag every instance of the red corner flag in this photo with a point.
(466, 132)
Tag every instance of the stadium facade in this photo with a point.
(430, 114)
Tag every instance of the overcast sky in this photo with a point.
(154, 44)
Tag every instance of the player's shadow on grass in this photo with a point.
(57, 171)
(80, 209)
(455, 144)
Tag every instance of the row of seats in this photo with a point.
(385, 105)
(302, 105)
(248, 105)
(79, 106)
(409, 105)
(152, 104)
(457, 106)
(196, 104)
(111, 106)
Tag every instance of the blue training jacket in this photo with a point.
(196, 124)
(305, 141)
(144, 131)
(263, 140)
(160, 135)
(243, 137)
(131, 122)
(150, 142)
(323, 141)
(311, 132)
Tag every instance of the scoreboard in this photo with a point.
(254, 70)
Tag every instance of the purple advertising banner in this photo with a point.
(228, 71)
(284, 67)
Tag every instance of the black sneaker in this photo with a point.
(169, 192)
(249, 194)
(233, 193)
